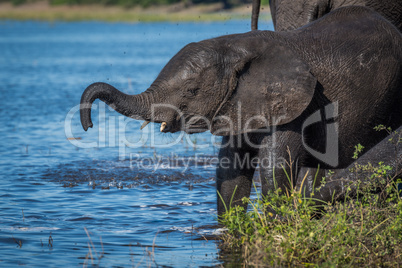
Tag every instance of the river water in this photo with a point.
(114, 196)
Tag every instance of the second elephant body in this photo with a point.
(292, 14)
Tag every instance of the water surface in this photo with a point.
(115, 195)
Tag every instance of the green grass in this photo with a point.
(363, 231)
(289, 229)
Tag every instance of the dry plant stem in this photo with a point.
(91, 247)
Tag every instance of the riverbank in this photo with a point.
(42, 11)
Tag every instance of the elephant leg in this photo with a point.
(390, 153)
(309, 178)
(237, 163)
(280, 156)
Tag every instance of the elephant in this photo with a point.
(337, 185)
(292, 14)
(304, 97)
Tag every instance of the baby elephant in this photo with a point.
(305, 97)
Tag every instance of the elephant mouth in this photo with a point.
(196, 124)
(196, 129)
(187, 123)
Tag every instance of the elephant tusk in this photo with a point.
(145, 124)
(163, 126)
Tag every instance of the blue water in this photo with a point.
(115, 195)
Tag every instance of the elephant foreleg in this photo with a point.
(237, 163)
(280, 157)
(388, 152)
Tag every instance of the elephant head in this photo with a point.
(228, 85)
(292, 14)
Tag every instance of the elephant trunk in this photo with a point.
(134, 106)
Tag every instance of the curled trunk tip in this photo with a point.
(92, 92)
(134, 106)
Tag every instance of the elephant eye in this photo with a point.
(183, 108)
(193, 91)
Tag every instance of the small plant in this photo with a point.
(92, 254)
(50, 240)
(398, 135)
(358, 149)
(18, 242)
(382, 127)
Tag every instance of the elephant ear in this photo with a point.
(271, 89)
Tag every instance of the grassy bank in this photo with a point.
(358, 232)
(364, 229)
(42, 11)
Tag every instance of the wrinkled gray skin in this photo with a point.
(292, 14)
(275, 81)
(388, 151)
